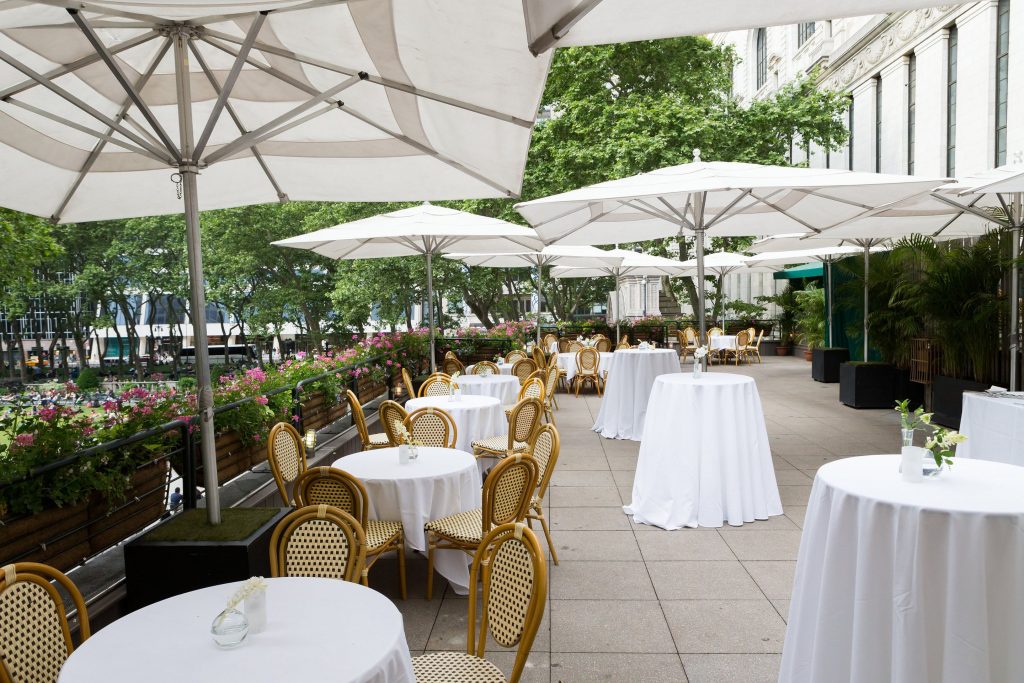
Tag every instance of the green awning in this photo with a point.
(797, 272)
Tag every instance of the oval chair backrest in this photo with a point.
(478, 368)
(35, 638)
(532, 388)
(689, 335)
(513, 356)
(751, 333)
(287, 455)
(438, 384)
(603, 345)
(574, 346)
(538, 356)
(508, 490)
(432, 427)
(510, 564)
(524, 419)
(551, 380)
(544, 447)
(523, 368)
(334, 487)
(358, 418)
(452, 365)
(392, 417)
(548, 338)
(407, 381)
(742, 338)
(563, 345)
(587, 361)
(715, 331)
(318, 541)
(760, 336)
(623, 345)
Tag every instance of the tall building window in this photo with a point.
(762, 57)
(849, 147)
(804, 31)
(1002, 74)
(951, 49)
(911, 110)
(878, 124)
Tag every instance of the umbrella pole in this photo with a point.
(698, 230)
(197, 295)
(430, 308)
(828, 296)
(618, 310)
(867, 271)
(1016, 219)
(540, 297)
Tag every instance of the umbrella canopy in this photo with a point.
(113, 109)
(558, 23)
(421, 230)
(720, 198)
(548, 256)
(722, 263)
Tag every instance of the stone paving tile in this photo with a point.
(724, 626)
(702, 580)
(581, 478)
(796, 513)
(792, 477)
(794, 495)
(773, 577)
(602, 579)
(764, 545)
(609, 626)
(596, 667)
(782, 607)
(684, 544)
(597, 518)
(596, 545)
(732, 668)
(584, 496)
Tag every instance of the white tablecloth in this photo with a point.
(476, 417)
(909, 582)
(317, 630)
(720, 342)
(567, 362)
(505, 368)
(440, 482)
(503, 387)
(631, 374)
(705, 457)
(994, 427)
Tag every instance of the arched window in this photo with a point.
(762, 57)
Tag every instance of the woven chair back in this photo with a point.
(743, 339)
(334, 487)
(287, 455)
(752, 333)
(550, 380)
(358, 418)
(715, 331)
(603, 345)
(587, 361)
(563, 345)
(438, 384)
(392, 416)
(689, 336)
(478, 369)
(533, 388)
(524, 419)
(450, 354)
(574, 346)
(523, 368)
(760, 336)
(538, 356)
(432, 427)
(35, 638)
(452, 365)
(623, 345)
(514, 355)
(508, 490)
(548, 338)
(510, 564)
(407, 381)
(544, 447)
(318, 541)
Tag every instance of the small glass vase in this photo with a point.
(929, 469)
(698, 368)
(414, 452)
(229, 628)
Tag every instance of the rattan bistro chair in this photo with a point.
(551, 375)
(516, 354)
(544, 447)
(478, 368)
(587, 362)
(742, 349)
(603, 345)
(407, 381)
(331, 486)
(392, 416)
(369, 441)
(35, 637)
(524, 368)
(522, 423)
(438, 384)
(432, 427)
(507, 493)
(563, 345)
(712, 352)
(510, 563)
(755, 348)
(539, 357)
(533, 388)
(287, 455)
(687, 341)
(319, 541)
(451, 365)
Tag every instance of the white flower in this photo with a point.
(455, 375)
(700, 352)
(256, 584)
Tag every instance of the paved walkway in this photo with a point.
(636, 603)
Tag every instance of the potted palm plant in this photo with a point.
(810, 318)
(787, 304)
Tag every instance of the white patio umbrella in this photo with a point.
(114, 109)
(716, 198)
(632, 263)
(424, 230)
(722, 263)
(548, 256)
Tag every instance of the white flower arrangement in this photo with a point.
(700, 353)
(406, 437)
(942, 445)
(249, 587)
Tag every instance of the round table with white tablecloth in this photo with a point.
(994, 427)
(910, 582)
(316, 630)
(704, 458)
(722, 342)
(631, 374)
(440, 482)
(503, 387)
(503, 367)
(476, 417)
(567, 361)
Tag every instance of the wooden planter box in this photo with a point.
(825, 364)
(867, 385)
(316, 414)
(233, 457)
(948, 399)
(145, 503)
(368, 389)
(64, 531)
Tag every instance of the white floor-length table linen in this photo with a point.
(704, 459)
(910, 582)
(722, 342)
(440, 482)
(317, 630)
(476, 417)
(631, 375)
(505, 388)
(994, 427)
(567, 361)
(503, 368)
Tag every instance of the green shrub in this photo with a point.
(88, 380)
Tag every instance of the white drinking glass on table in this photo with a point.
(631, 375)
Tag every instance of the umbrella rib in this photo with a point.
(125, 84)
(969, 208)
(839, 200)
(643, 208)
(681, 215)
(220, 18)
(785, 213)
(237, 119)
(148, 19)
(77, 64)
(229, 83)
(724, 213)
(573, 231)
(359, 244)
(377, 80)
(562, 26)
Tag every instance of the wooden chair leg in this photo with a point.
(430, 568)
(401, 568)
(547, 535)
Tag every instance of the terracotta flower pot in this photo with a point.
(808, 354)
(781, 350)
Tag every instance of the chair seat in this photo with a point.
(379, 440)
(463, 526)
(499, 444)
(454, 667)
(381, 532)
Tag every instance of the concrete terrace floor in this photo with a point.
(636, 603)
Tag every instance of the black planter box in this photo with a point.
(867, 385)
(825, 364)
(905, 389)
(948, 399)
(159, 569)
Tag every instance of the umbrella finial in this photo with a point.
(696, 155)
